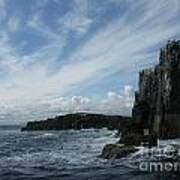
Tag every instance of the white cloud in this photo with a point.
(113, 103)
(112, 94)
(76, 19)
(35, 21)
(9, 59)
(2, 10)
(128, 91)
(13, 24)
(77, 23)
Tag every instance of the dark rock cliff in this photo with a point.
(78, 121)
(157, 103)
(156, 111)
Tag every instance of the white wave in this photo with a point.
(48, 134)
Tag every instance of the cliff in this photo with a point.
(157, 102)
(156, 111)
(78, 121)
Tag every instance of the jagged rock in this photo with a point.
(139, 140)
(78, 121)
(157, 103)
(115, 151)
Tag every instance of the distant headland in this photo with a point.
(78, 121)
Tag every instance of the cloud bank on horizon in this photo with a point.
(60, 56)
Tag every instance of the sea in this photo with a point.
(69, 155)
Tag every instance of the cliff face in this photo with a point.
(157, 103)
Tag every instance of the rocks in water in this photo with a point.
(115, 151)
(78, 121)
(126, 145)
(157, 103)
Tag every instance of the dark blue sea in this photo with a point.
(65, 155)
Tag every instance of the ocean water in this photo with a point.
(66, 155)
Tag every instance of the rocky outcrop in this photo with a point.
(116, 151)
(157, 103)
(78, 121)
(156, 111)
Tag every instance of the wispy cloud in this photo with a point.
(13, 24)
(76, 20)
(79, 51)
(2, 10)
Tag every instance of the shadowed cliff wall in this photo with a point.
(157, 103)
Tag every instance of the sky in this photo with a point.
(65, 56)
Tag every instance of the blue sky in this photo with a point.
(61, 56)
